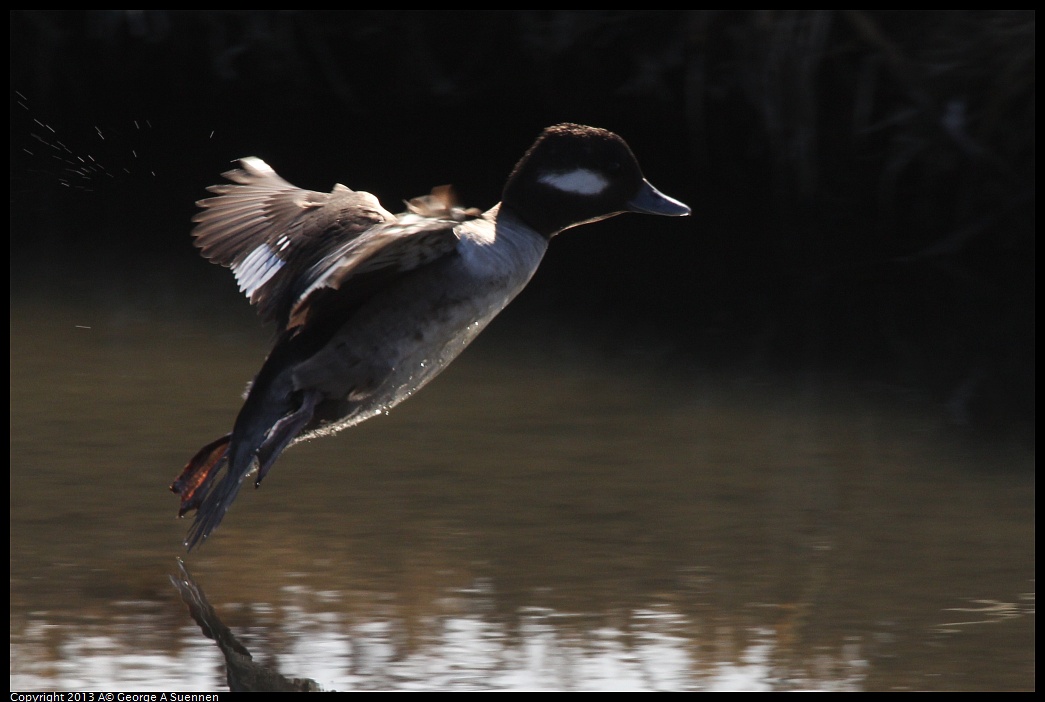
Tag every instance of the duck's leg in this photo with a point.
(194, 482)
(250, 448)
(283, 432)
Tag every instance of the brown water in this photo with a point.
(542, 516)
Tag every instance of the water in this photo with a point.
(542, 516)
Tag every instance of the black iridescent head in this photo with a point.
(574, 174)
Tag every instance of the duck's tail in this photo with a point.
(197, 490)
(252, 447)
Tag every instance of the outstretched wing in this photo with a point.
(426, 231)
(269, 231)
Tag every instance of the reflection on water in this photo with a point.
(462, 653)
(538, 518)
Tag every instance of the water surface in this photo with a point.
(545, 515)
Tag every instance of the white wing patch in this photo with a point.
(581, 181)
(258, 268)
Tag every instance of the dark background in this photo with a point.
(862, 182)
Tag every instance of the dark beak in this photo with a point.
(649, 200)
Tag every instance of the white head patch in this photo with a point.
(581, 181)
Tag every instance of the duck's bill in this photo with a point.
(649, 200)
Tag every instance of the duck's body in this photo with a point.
(369, 306)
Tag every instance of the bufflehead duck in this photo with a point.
(370, 306)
